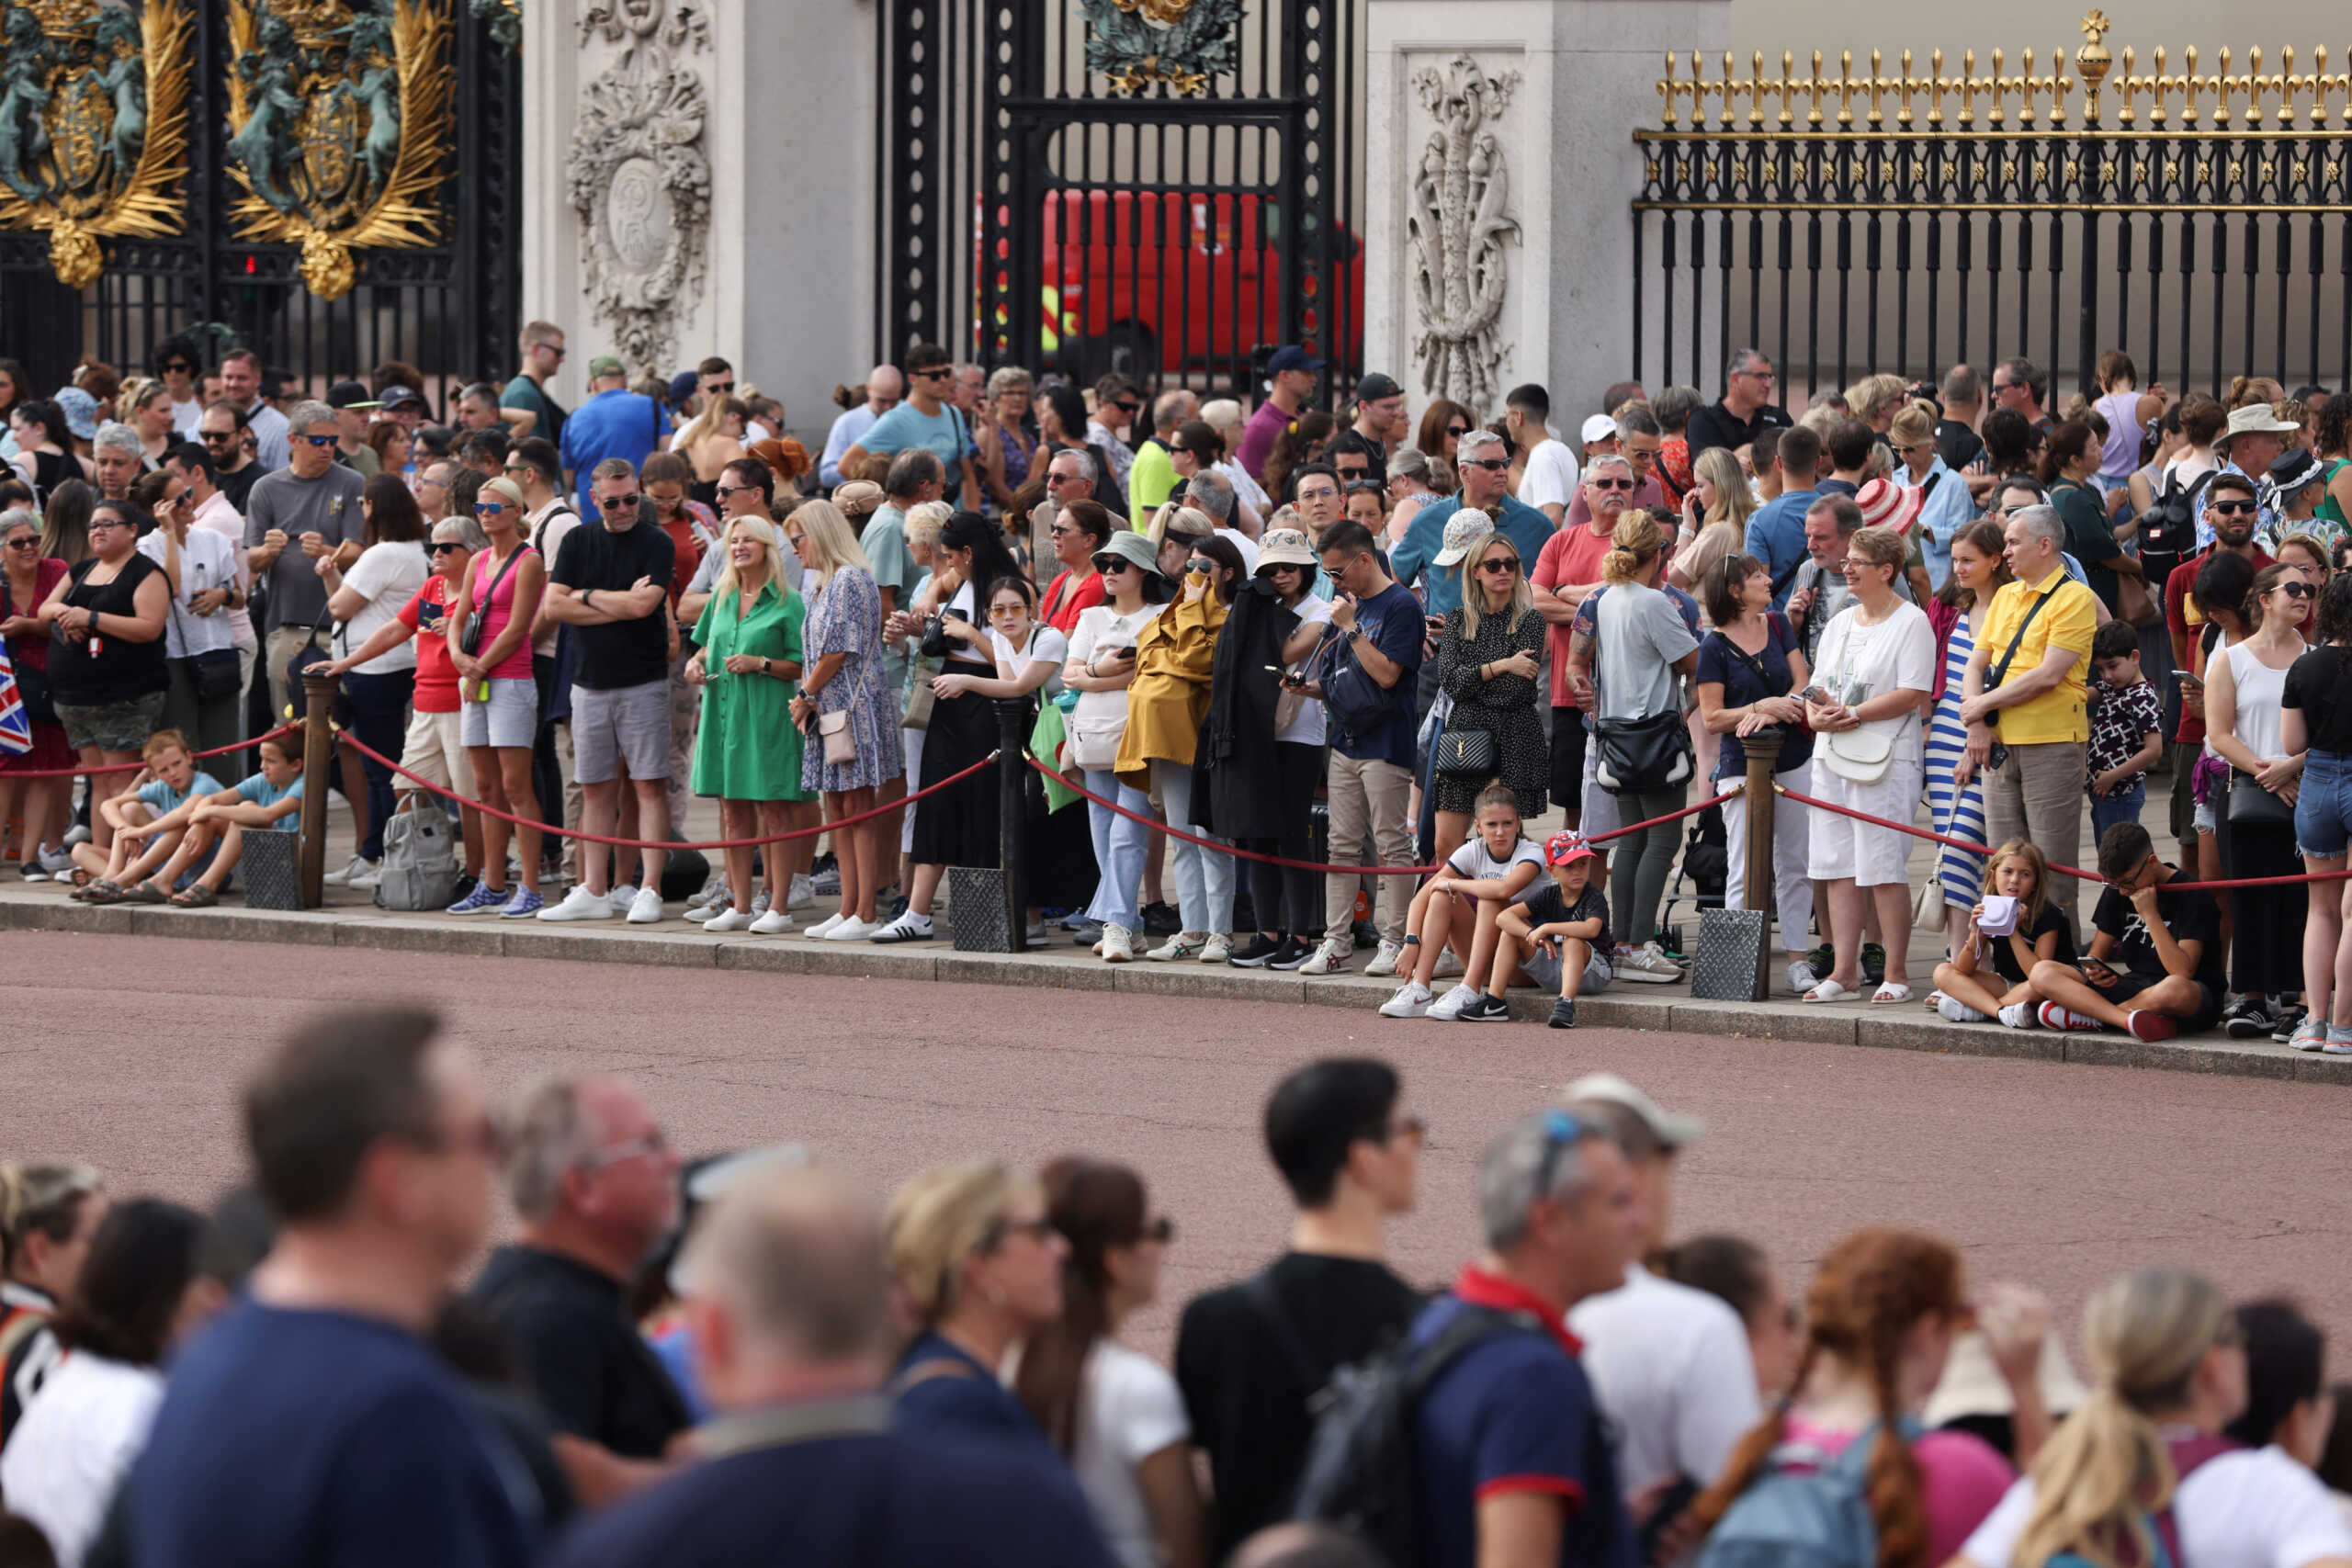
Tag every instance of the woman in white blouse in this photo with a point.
(1101, 666)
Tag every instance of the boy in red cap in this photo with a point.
(1558, 934)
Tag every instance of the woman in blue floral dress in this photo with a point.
(844, 675)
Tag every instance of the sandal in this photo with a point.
(1892, 993)
(1830, 991)
(145, 893)
(195, 897)
(103, 891)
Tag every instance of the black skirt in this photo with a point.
(1056, 850)
(958, 826)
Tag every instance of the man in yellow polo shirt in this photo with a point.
(2025, 689)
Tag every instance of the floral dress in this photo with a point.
(1504, 705)
(846, 617)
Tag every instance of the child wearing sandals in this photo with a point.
(147, 818)
(1987, 977)
(1556, 936)
(271, 800)
(1480, 880)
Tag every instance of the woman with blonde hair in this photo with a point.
(1714, 518)
(712, 439)
(979, 1264)
(1489, 656)
(1945, 506)
(842, 694)
(1875, 400)
(2141, 1474)
(1007, 435)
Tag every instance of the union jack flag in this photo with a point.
(16, 725)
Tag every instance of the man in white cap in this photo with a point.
(1669, 1364)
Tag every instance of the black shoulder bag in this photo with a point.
(470, 637)
(2000, 672)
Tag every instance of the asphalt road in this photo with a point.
(126, 1053)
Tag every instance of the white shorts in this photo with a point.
(1600, 813)
(510, 718)
(1840, 847)
(434, 750)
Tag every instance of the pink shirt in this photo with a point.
(1570, 558)
(1962, 1476)
(500, 603)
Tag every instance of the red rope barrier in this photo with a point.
(280, 732)
(1158, 826)
(957, 778)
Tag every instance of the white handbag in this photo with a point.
(1863, 754)
(1094, 742)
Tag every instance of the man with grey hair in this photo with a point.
(1209, 491)
(1746, 407)
(1819, 591)
(312, 504)
(1516, 1462)
(118, 453)
(594, 1184)
(1151, 478)
(786, 1294)
(1072, 475)
(2026, 688)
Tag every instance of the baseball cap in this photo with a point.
(682, 387)
(351, 395)
(1567, 846)
(606, 365)
(1462, 531)
(1376, 386)
(1290, 356)
(400, 398)
(1675, 1131)
(1600, 427)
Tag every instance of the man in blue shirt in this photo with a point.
(928, 420)
(613, 423)
(311, 1423)
(1776, 532)
(1511, 1444)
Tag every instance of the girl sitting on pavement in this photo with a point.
(1555, 936)
(1987, 977)
(147, 818)
(269, 800)
(1481, 879)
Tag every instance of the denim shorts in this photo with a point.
(1544, 970)
(2323, 806)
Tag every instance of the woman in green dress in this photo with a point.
(749, 750)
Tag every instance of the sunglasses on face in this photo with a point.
(213, 438)
(178, 367)
(1053, 479)
(1124, 406)
(1320, 493)
(937, 373)
(1492, 465)
(2296, 589)
(1200, 568)
(720, 386)
(1457, 431)
(443, 547)
(489, 508)
(615, 502)
(1110, 566)
(2231, 508)
(29, 542)
(1611, 484)
(317, 440)
(1500, 564)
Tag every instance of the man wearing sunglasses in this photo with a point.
(1566, 571)
(1116, 403)
(221, 433)
(1746, 407)
(308, 509)
(926, 419)
(526, 405)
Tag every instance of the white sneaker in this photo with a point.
(1218, 949)
(1182, 945)
(775, 922)
(854, 929)
(804, 891)
(370, 875)
(581, 905)
(1384, 959)
(1954, 1011)
(1802, 977)
(1411, 1000)
(1449, 1006)
(1331, 958)
(1118, 943)
(350, 869)
(646, 908)
(759, 902)
(714, 896)
(1647, 965)
(2020, 1015)
(57, 863)
(908, 927)
(1449, 965)
(623, 897)
(730, 919)
(824, 927)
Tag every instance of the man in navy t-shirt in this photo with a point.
(1378, 622)
(312, 1424)
(1511, 1444)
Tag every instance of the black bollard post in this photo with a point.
(1012, 716)
(1763, 749)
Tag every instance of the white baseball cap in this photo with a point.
(1600, 427)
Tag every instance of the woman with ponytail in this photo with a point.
(1114, 1414)
(2143, 1461)
(1879, 1325)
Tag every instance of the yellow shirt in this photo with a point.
(2066, 623)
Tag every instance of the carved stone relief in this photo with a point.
(639, 174)
(1458, 233)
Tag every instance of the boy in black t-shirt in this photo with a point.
(2158, 950)
(1555, 936)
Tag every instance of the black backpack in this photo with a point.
(1361, 1473)
(2169, 527)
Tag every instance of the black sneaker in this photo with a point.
(1365, 935)
(1292, 954)
(1254, 955)
(463, 885)
(1874, 963)
(1159, 919)
(1821, 959)
(2289, 1019)
(2246, 1021)
(1564, 1014)
(1486, 1009)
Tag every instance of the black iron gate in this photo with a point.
(1085, 187)
(452, 310)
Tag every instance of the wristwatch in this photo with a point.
(763, 665)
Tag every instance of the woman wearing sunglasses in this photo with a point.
(1101, 666)
(2255, 818)
(361, 602)
(1488, 658)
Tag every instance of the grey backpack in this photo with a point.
(420, 867)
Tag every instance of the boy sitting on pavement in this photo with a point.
(147, 818)
(1556, 936)
(2156, 950)
(218, 822)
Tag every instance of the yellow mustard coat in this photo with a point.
(1170, 696)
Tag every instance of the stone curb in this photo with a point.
(1904, 1029)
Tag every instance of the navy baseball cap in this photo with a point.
(1290, 356)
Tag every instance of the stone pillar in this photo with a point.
(1501, 172)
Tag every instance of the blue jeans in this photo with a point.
(2123, 806)
(2324, 804)
(1119, 844)
(380, 718)
(1204, 877)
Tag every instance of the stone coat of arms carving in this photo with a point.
(1458, 229)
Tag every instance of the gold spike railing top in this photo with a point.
(1877, 96)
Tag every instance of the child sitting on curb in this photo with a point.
(1988, 976)
(269, 800)
(1556, 936)
(1480, 879)
(147, 818)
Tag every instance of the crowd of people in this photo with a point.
(751, 1357)
(1308, 629)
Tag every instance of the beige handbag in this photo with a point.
(841, 746)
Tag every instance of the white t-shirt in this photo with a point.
(74, 1445)
(1131, 1411)
(1047, 647)
(1248, 489)
(1671, 1370)
(388, 576)
(1859, 663)
(1246, 545)
(1550, 477)
(1473, 861)
(217, 516)
(206, 561)
(1099, 625)
(1307, 729)
(2251, 1508)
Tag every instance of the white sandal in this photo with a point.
(1830, 991)
(1892, 993)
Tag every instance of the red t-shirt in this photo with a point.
(685, 554)
(427, 615)
(1061, 613)
(1570, 558)
(2183, 618)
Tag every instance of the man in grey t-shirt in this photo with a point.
(1818, 590)
(313, 506)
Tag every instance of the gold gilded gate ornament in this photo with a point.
(338, 115)
(92, 123)
(1182, 42)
